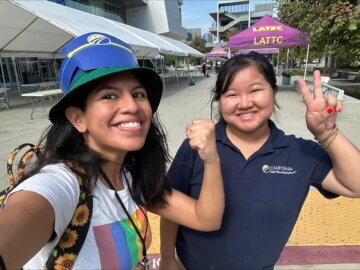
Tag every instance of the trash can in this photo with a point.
(286, 78)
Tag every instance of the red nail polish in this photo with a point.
(330, 110)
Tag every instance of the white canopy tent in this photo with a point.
(40, 28)
(190, 51)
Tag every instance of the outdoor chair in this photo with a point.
(4, 101)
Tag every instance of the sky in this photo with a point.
(195, 13)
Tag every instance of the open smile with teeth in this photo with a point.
(130, 125)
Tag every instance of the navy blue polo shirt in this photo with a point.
(263, 198)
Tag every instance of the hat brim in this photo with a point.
(153, 84)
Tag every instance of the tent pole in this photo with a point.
(2, 72)
(249, 15)
(278, 63)
(162, 71)
(16, 75)
(217, 24)
(176, 72)
(306, 61)
(54, 64)
(287, 59)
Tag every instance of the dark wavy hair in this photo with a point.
(63, 143)
(231, 67)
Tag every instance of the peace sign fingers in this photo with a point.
(318, 93)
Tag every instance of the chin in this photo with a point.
(133, 146)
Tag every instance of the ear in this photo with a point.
(75, 116)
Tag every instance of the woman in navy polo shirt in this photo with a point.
(267, 174)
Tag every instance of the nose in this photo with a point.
(128, 104)
(244, 102)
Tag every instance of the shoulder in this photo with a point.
(280, 138)
(54, 175)
(56, 182)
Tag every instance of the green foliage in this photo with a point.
(198, 44)
(334, 26)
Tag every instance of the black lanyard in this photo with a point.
(145, 263)
(2, 263)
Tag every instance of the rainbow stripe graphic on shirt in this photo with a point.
(118, 244)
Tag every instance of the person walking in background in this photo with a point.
(106, 128)
(204, 69)
(267, 174)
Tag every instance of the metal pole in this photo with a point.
(306, 61)
(278, 62)
(249, 15)
(287, 59)
(162, 58)
(16, 75)
(2, 72)
(217, 24)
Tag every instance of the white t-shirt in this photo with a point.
(111, 242)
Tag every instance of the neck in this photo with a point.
(248, 143)
(113, 172)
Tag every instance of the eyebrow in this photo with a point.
(107, 86)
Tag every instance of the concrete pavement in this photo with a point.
(314, 242)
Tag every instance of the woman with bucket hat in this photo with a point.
(104, 135)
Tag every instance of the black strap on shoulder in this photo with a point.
(63, 256)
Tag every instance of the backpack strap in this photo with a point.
(21, 167)
(63, 256)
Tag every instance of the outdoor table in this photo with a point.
(40, 96)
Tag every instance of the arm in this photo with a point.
(25, 227)
(344, 178)
(204, 214)
(168, 233)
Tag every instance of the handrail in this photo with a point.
(339, 93)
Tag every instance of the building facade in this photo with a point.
(232, 17)
(192, 33)
(162, 17)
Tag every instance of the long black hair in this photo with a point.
(63, 143)
(230, 68)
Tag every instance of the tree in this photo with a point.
(199, 44)
(334, 26)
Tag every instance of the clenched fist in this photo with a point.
(201, 135)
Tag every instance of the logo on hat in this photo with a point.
(98, 39)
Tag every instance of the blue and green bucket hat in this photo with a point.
(95, 55)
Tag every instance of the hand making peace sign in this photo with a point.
(321, 110)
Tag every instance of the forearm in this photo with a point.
(211, 202)
(168, 234)
(25, 228)
(345, 157)
(204, 214)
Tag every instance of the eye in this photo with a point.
(230, 94)
(255, 90)
(140, 93)
(109, 96)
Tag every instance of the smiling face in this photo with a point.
(248, 102)
(117, 117)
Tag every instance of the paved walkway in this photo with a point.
(327, 234)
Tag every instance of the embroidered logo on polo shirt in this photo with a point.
(278, 169)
